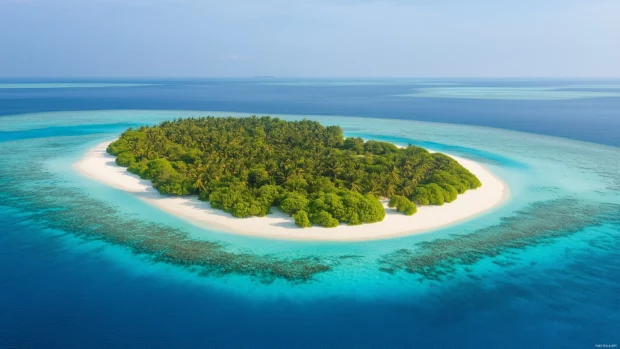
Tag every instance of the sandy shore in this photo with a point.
(100, 166)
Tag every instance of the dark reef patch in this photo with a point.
(536, 224)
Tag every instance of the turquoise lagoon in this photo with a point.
(528, 93)
(562, 220)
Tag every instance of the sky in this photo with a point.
(309, 38)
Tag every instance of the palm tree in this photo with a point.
(388, 187)
(393, 172)
(284, 171)
(335, 167)
(356, 185)
(372, 185)
(407, 187)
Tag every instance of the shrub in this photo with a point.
(301, 219)
(293, 202)
(402, 204)
(324, 219)
(125, 159)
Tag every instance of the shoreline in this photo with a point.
(100, 166)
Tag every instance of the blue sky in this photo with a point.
(311, 38)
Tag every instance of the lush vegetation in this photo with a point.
(245, 166)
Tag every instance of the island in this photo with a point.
(249, 166)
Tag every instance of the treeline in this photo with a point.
(245, 166)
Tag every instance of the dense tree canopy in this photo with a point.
(245, 166)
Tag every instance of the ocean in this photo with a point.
(85, 265)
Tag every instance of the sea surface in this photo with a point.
(87, 266)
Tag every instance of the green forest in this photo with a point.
(245, 166)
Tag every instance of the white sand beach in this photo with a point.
(100, 166)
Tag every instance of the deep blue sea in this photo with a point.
(87, 266)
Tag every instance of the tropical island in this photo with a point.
(247, 166)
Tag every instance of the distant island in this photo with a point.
(246, 166)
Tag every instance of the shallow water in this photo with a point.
(85, 265)
(86, 262)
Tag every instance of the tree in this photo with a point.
(258, 177)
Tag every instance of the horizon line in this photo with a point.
(305, 77)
